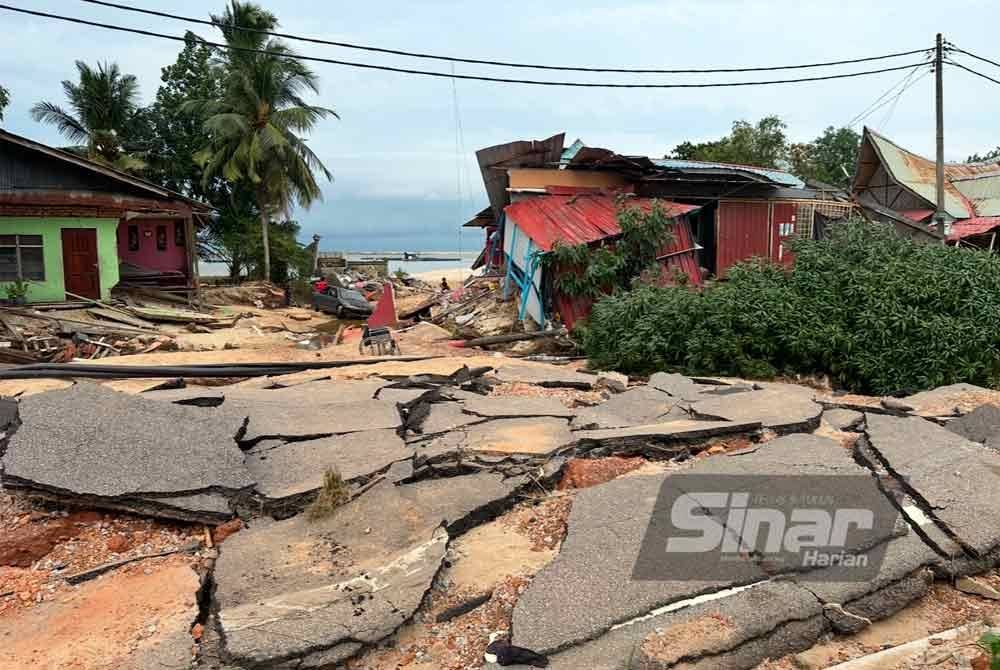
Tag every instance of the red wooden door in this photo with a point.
(785, 227)
(80, 271)
(743, 233)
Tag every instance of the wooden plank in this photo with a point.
(173, 315)
(120, 317)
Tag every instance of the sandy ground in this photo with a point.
(455, 276)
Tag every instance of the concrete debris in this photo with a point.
(977, 587)
(843, 419)
(125, 452)
(516, 407)
(896, 404)
(615, 382)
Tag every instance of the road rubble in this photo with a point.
(521, 498)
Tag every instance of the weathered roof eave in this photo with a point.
(102, 170)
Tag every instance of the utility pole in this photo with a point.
(939, 104)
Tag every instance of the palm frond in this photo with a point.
(68, 126)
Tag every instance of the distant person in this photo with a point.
(444, 284)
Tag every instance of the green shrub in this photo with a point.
(875, 312)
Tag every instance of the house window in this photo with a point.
(179, 238)
(133, 237)
(21, 257)
(161, 238)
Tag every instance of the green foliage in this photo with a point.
(992, 155)
(4, 100)
(763, 144)
(103, 115)
(17, 290)
(991, 643)
(876, 312)
(824, 159)
(253, 129)
(592, 271)
(829, 158)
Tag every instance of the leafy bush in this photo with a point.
(875, 312)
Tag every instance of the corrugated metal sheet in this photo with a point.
(679, 255)
(524, 153)
(743, 233)
(917, 215)
(919, 174)
(770, 174)
(577, 219)
(977, 225)
(983, 192)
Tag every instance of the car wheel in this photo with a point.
(340, 311)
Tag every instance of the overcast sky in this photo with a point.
(399, 181)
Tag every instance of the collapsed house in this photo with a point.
(74, 226)
(543, 193)
(897, 186)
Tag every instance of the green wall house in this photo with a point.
(32, 249)
(71, 227)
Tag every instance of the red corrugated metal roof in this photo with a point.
(977, 225)
(917, 215)
(577, 219)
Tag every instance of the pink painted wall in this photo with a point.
(148, 255)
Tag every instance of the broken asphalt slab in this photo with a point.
(314, 592)
(738, 630)
(784, 408)
(514, 407)
(589, 587)
(289, 474)
(954, 481)
(672, 436)
(534, 437)
(90, 445)
(549, 376)
(980, 425)
(642, 405)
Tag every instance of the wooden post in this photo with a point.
(191, 248)
(939, 110)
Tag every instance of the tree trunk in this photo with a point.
(263, 232)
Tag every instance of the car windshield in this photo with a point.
(347, 294)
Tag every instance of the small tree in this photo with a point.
(586, 270)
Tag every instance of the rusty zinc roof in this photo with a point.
(577, 219)
(918, 174)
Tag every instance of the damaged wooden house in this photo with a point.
(542, 192)
(897, 186)
(70, 226)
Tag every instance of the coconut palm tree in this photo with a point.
(254, 131)
(102, 108)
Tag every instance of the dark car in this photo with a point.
(342, 302)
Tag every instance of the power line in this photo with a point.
(475, 61)
(428, 73)
(969, 53)
(883, 99)
(969, 69)
(883, 125)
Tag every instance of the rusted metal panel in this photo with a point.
(983, 192)
(709, 168)
(743, 232)
(494, 160)
(975, 226)
(578, 219)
